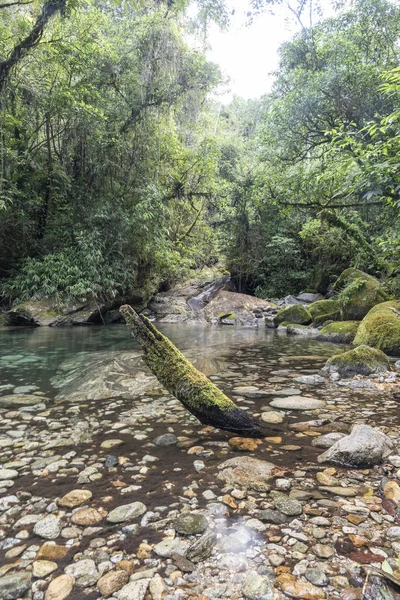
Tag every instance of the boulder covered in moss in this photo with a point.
(324, 310)
(33, 314)
(341, 332)
(360, 361)
(296, 314)
(357, 293)
(381, 328)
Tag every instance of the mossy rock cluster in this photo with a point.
(360, 361)
(296, 314)
(381, 328)
(341, 332)
(358, 292)
(324, 310)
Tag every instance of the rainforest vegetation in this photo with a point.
(120, 168)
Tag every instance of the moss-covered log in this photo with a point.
(197, 393)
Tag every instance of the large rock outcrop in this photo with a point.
(357, 293)
(380, 328)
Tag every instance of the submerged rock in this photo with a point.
(360, 361)
(297, 403)
(20, 400)
(247, 473)
(190, 524)
(365, 446)
(126, 512)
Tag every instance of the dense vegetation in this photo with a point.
(118, 171)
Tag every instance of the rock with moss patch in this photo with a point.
(358, 292)
(324, 310)
(360, 361)
(381, 328)
(295, 314)
(190, 524)
(341, 332)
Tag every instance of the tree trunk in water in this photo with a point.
(197, 393)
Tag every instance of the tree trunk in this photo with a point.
(197, 393)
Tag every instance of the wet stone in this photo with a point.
(48, 528)
(75, 498)
(257, 587)
(190, 524)
(167, 439)
(60, 588)
(14, 586)
(126, 512)
(286, 505)
(297, 403)
(112, 582)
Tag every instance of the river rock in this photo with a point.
(305, 591)
(48, 528)
(15, 585)
(86, 517)
(135, 590)
(112, 582)
(42, 568)
(82, 567)
(75, 498)
(272, 416)
(60, 588)
(201, 549)
(297, 403)
(365, 446)
(51, 552)
(167, 548)
(126, 512)
(257, 587)
(286, 505)
(310, 379)
(7, 474)
(190, 524)
(20, 400)
(316, 577)
(167, 439)
(241, 444)
(326, 441)
(272, 516)
(247, 473)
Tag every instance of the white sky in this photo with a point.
(248, 54)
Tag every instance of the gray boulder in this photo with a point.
(364, 447)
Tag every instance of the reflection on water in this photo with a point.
(31, 357)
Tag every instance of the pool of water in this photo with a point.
(31, 357)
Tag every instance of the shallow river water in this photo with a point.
(95, 428)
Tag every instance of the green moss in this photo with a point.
(3, 320)
(350, 275)
(381, 328)
(324, 310)
(296, 314)
(342, 332)
(358, 292)
(360, 361)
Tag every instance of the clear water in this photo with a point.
(32, 356)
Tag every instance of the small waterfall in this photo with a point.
(197, 303)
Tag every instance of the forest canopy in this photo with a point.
(121, 169)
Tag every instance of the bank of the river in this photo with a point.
(109, 488)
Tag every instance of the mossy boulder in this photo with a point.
(360, 361)
(296, 314)
(358, 292)
(324, 310)
(341, 332)
(381, 328)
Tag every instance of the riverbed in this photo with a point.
(98, 422)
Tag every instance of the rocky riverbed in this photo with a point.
(113, 490)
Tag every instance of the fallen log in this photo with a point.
(191, 387)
